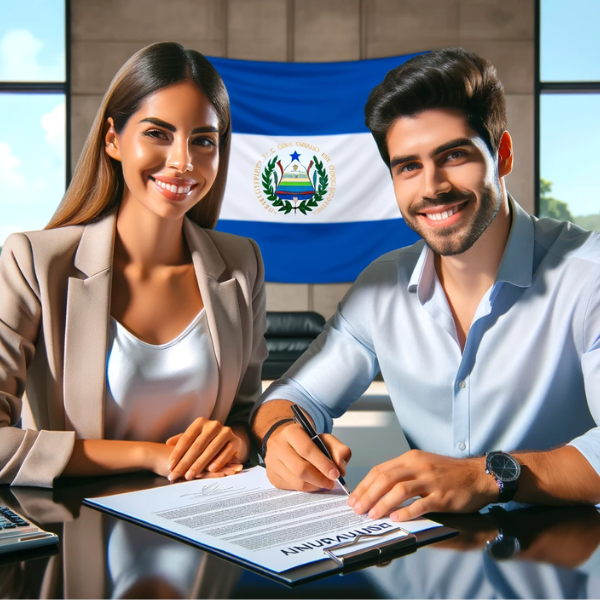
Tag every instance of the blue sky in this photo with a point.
(569, 40)
(569, 149)
(570, 124)
(32, 126)
(32, 160)
(32, 36)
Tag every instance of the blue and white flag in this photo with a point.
(305, 178)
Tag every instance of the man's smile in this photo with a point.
(443, 215)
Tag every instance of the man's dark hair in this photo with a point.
(450, 78)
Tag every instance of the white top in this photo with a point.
(155, 391)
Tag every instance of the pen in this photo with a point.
(301, 419)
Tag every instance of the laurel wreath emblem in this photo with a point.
(270, 182)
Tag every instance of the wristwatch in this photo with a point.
(506, 471)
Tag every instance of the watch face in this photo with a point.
(504, 466)
(504, 547)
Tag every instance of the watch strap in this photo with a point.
(507, 489)
(272, 429)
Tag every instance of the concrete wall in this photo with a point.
(105, 33)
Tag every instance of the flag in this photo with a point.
(305, 180)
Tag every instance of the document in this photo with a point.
(247, 517)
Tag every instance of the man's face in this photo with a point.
(445, 179)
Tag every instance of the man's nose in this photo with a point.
(435, 182)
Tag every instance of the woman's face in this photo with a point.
(169, 150)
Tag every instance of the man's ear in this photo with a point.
(111, 142)
(505, 155)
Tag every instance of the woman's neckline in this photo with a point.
(172, 342)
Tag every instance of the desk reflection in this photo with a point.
(101, 556)
(556, 555)
(544, 553)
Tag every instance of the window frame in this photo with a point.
(52, 87)
(548, 87)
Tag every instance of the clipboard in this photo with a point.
(369, 557)
(334, 562)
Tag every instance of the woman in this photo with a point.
(134, 328)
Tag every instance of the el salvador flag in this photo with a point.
(305, 177)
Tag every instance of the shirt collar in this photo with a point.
(516, 265)
(423, 275)
(517, 261)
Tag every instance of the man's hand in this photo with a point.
(294, 462)
(444, 485)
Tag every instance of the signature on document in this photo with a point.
(211, 489)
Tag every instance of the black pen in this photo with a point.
(301, 419)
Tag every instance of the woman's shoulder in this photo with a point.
(43, 245)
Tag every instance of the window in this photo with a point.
(569, 110)
(33, 112)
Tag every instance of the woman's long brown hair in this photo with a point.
(97, 184)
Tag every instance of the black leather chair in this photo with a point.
(288, 335)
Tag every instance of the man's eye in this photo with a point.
(409, 167)
(456, 154)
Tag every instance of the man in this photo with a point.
(486, 332)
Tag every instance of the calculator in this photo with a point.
(17, 533)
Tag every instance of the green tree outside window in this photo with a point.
(557, 209)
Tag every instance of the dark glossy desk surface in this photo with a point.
(100, 556)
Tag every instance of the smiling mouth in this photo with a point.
(443, 215)
(446, 214)
(175, 189)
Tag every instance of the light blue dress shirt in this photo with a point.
(529, 375)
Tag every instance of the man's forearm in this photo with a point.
(557, 477)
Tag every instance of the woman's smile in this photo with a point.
(173, 188)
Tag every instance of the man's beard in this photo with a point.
(458, 238)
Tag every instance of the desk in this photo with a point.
(100, 556)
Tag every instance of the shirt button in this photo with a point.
(462, 384)
(461, 445)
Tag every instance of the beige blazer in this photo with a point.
(55, 290)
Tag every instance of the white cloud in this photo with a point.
(19, 50)
(10, 178)
(29, 199)
(54, 125)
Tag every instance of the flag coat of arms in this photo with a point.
(305, 180)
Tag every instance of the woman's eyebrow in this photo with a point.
(206, 129)
(160, 123)
(173, 129)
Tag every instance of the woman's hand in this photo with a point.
(206, 445)
(155, 458)
(229, 469)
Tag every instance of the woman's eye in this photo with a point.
(155, 133)
(204, 142)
